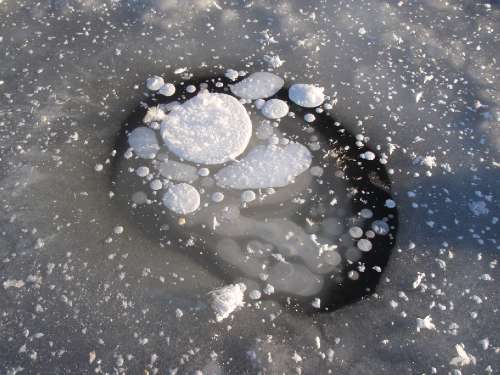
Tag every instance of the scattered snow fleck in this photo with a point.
(479, 208)
(306, 95)
(208, 129)
(418, 96)
(226, 300)
(258, 85)
(182, 198)
(274, 62)
(463, 358)
(362, 31)
(425, 323)
(13, 284)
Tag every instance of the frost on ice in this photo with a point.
(258, 86)
(266, 166)
(305, 95)
(226, 300)
(207, 129)
(144, 142)
(182, 198)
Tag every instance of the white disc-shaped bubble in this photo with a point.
(182, 198)
(258, 86)
(207, 129)
(275, 109)
(306, 95)
(154, 83)
(144, 142)
(266, 166)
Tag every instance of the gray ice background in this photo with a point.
(68, 76)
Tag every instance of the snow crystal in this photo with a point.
(306, 95)
(226, 300)
(182, 198)
(144, 142)
(208, 129)
(266, 166)
(275, 109)
(257, 86)
(154, 83)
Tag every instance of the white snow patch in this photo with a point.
(208, 129)
(266, 166)
(257, 86)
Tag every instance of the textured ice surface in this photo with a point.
(258, 86)
(224, 301)
(306, 95)
(207, 129)
(182, 198)
(266, 166)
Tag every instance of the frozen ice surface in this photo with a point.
(259, 85)
(208, 129)
(224, 301)
(266, 166)
(306, 95)
(422, 81)
(182, 198)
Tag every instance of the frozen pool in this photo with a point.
(99, 278)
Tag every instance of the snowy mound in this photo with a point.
(266, 166)
(207, 129)
(258, 86)
(227, 299)
(305, 95)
